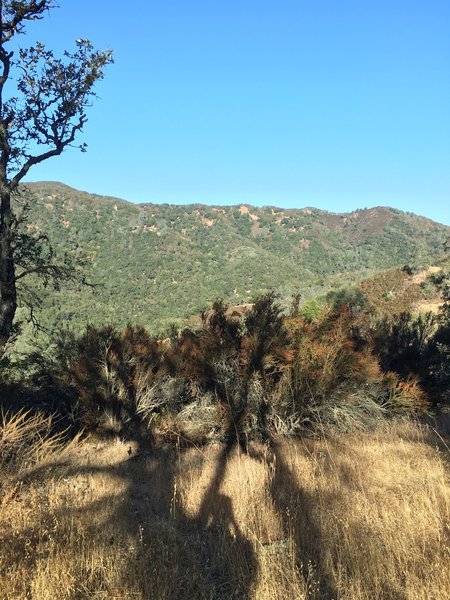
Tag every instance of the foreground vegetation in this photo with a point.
(256, 455)
(358, 516)
(244, 373)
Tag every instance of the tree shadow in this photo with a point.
(295, 508)
(168, 552)
(231, 558)
(208, 556)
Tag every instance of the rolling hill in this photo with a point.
(158, 264)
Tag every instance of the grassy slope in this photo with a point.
(394, 291)
(154, 264)
(356, 517)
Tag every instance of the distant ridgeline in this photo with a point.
(158, 264)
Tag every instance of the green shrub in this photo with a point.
(311, 310)
(403, 343)
(352, 296)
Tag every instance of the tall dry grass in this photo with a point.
(362, 516)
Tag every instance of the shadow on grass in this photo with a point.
(183, 556)
(295, 508)
(162, 552)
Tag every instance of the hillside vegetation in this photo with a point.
(158, 264)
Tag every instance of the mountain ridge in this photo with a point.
(40, 185)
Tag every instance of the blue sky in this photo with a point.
(337, 105)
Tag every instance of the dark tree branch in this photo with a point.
(17, 12)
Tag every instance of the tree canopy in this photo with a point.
(43, 104)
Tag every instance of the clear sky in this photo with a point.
(333, 104)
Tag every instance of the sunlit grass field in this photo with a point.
(356, 516)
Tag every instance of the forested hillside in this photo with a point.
(158, 264)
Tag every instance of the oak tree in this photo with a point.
(43, 103)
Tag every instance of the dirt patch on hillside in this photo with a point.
(428, 306)
(422, 276)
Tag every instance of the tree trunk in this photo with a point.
(8, 294)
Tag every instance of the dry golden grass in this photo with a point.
(394, 291)
(362, 516)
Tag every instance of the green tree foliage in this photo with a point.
(43, 103)
(404, 343)
(352, 296)
(439, 367)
